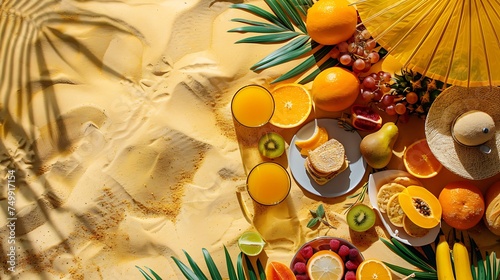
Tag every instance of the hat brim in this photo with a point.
(467, 162)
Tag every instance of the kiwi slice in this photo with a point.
(271, 145)
(360, 217)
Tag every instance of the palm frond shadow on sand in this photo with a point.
(29, 28)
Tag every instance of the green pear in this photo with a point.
(376, 148)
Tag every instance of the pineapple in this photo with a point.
(427, 90)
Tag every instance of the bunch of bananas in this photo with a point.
(455, 263)
(461, 261)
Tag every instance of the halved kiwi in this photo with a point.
(360, 217)
(271, 145)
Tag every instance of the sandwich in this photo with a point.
(326, 161)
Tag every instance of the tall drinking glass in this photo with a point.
(252, 106)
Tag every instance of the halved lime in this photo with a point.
(251, 243)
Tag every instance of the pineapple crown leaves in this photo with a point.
(426, 88)
(285, 24)
(194, 272)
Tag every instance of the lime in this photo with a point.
(251, 243)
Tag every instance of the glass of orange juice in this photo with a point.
(252, 106)
(268, 183)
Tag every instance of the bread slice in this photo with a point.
(326, 161)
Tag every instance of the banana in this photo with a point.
(461, 262)
(443, 260)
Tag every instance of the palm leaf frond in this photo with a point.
(330, 62)
(280, 13)
(258, 29)
(271, 38)
(259, 12)
(294, 15)
(260, 269)
(240, 268)
(146, 275)
(282, 51)
(186, 271)
(251, 271)
(305, 65)
(212, 268)
(288, 56)
(230, 267)
(194, 272)
(286, 14)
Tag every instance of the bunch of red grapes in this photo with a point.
(376, 89)
(358, 52)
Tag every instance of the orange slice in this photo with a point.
(325, 265)
(279, 271)
(293, 104)
(419, 160)
(373, 269)
(319, 137)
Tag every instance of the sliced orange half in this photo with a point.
(293, 104)
(373, 269)
(325, 265)
(420, 161)
(319, 137)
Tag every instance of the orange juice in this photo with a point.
(268, 183)
(252, 106)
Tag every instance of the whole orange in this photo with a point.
(462, 203)
(330, 22)
(335, 89)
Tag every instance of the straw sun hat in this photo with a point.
(465, 161)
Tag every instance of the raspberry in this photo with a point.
(351, 265)
(350, 275)
(343, 251)
(353, 254)
(300, 267)
(303, 277)
(335, 245)
(307, 252)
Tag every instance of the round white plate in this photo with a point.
(342, 183)
(375, 182)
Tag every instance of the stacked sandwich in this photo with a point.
(326, 161)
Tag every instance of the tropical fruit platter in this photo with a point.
(367, 147)
(357, 127)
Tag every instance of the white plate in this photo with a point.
(375, 182)
(342, 183)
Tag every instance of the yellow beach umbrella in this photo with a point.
(454, 41)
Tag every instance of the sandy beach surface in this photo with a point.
(116, 129)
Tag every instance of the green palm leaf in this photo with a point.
(186, 271)
(146, 275)
(230, 267)
(259, 12)
(260, 269)
(305, 65)
(286, 14)
(251, 271)
(256, 23)
(241, 271)
(272, 38)
(294, 15)
(330, 62)
(195, 273)
(302, 5)
(282, 51)
(258, 29)
(212, 268)
(290, 55)
(280, 13)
